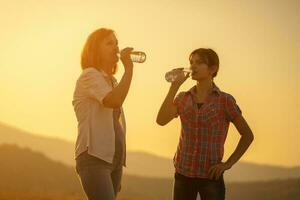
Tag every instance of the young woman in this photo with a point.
(100, 146)
(205, 113)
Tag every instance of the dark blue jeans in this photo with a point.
(100, 180)
(186, 188)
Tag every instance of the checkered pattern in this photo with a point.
(203, 131)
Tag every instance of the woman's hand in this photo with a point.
(125, 58)
(181, 78)
(217, 170)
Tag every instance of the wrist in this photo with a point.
(128, 70)
(228, 164)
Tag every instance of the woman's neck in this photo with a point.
(204, 87)
(106, 67)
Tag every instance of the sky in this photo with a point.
(257, 41)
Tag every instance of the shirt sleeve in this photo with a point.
(95, 85)
(232, 110)
(178, 103)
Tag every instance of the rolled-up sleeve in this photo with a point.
(231, 108)
(178, 103)
(94, 85)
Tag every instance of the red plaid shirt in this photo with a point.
(203, 131)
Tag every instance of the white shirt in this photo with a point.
(95, 122)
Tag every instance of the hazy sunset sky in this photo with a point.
(258, 43)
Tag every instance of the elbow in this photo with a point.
(111, 102)
(114, 104)
(250, 137)
(160, 121)
(163, 119)
(117, 105)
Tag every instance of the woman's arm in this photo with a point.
(246, 139)
(116, 97)
(168, 110)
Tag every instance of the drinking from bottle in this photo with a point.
(174, 74)
(138, 56)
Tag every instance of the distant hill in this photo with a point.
(55, 149)
(138, 163)
(268, 190)
(26, 173)
(142, 164)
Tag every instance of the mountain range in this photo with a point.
(139, 163)
(27, 174)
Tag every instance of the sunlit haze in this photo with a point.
(257, 41)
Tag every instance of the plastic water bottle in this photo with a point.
(138, 56)
(174, 74)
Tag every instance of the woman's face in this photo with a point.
(109, 49)
(200, 69)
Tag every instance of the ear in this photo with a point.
(213, 69)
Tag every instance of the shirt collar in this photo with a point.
(99, 70)
(215, 90)
(110, 78)
(103, 72)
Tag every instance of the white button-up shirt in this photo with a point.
(95, 121)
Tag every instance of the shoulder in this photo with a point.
(91, 77)
(182, 94)
(182, 98)
(91, 74)
(226, 96)
(226, 100)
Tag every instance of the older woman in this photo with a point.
(100, 147)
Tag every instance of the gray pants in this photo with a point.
(100, 180)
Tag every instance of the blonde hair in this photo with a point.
(90, 55)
